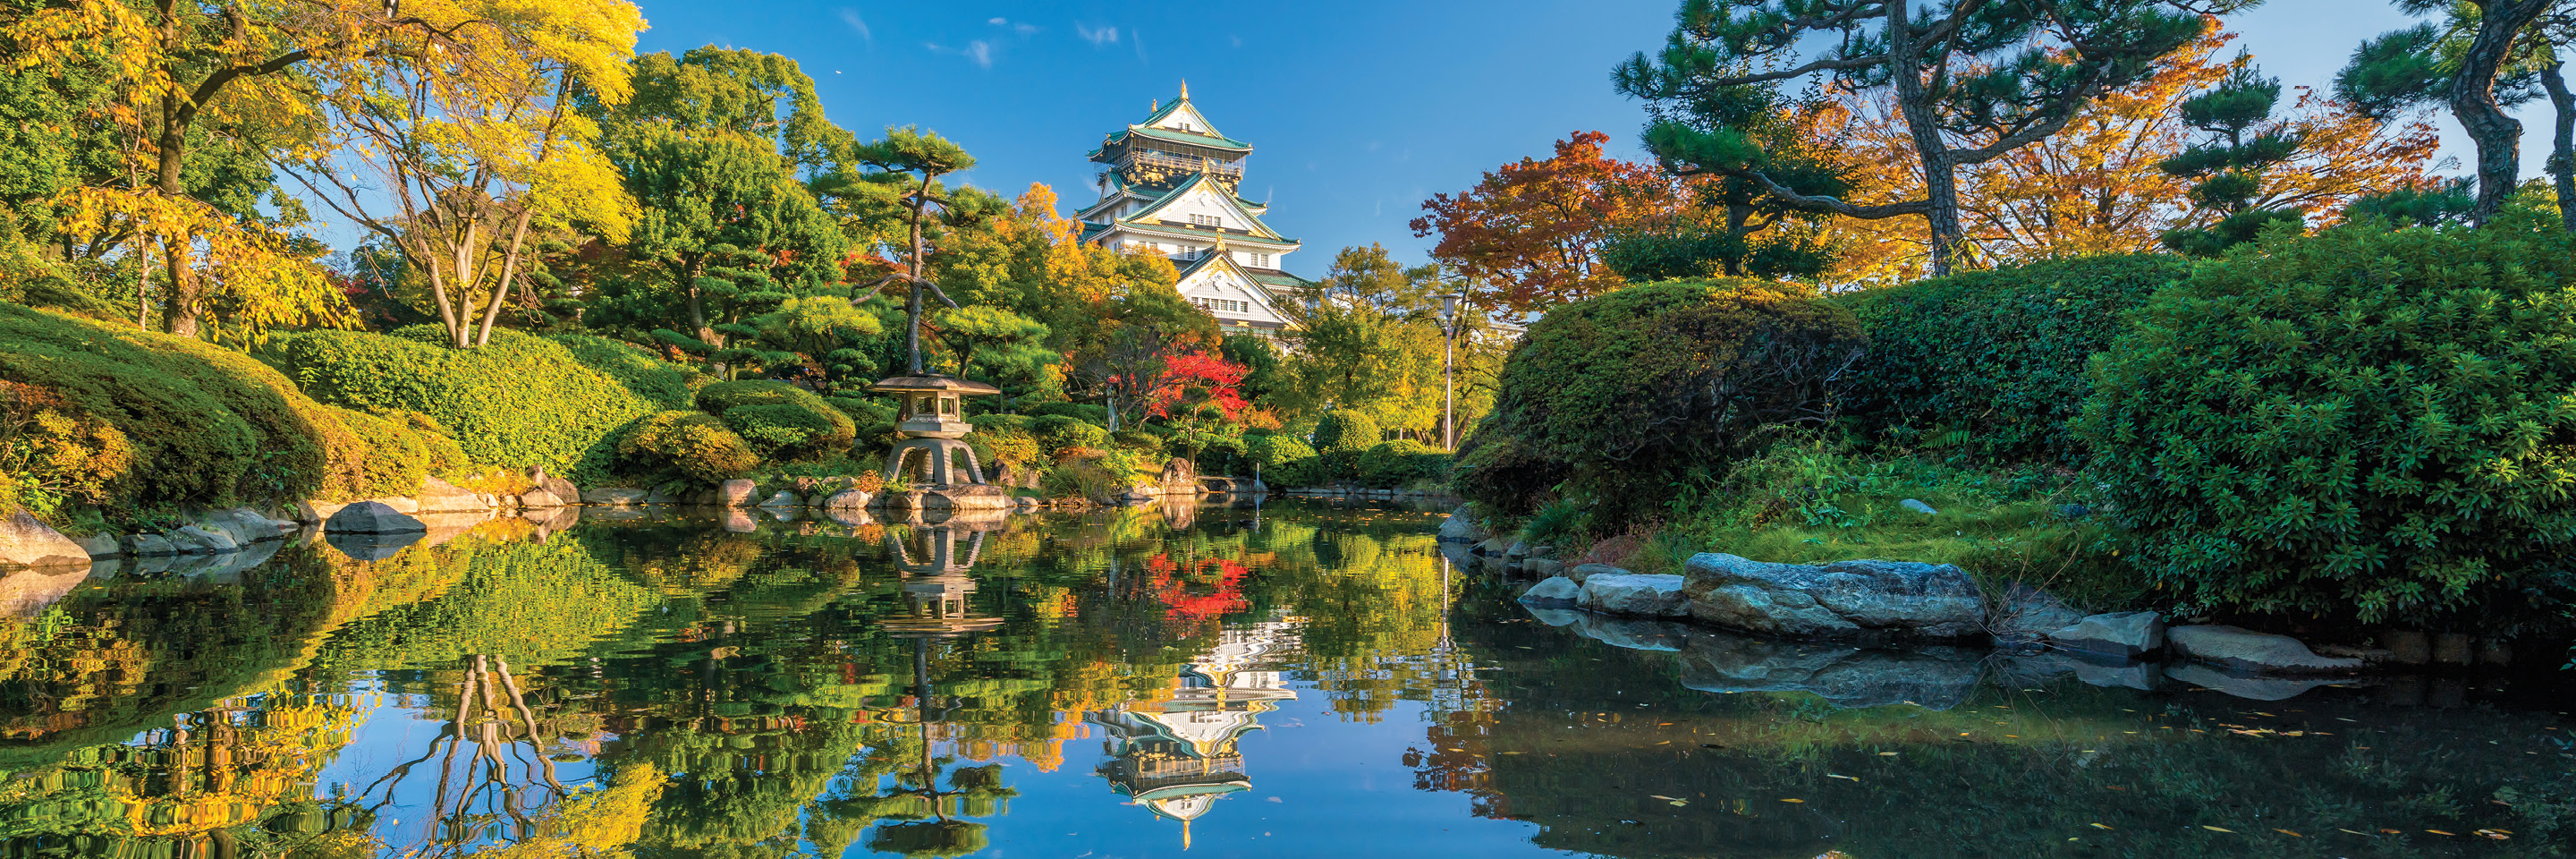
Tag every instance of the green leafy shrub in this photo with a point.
(1022, 423)
(1058, 432)
(1392, 464)
(695, 445)
(1995, 359)
(1092, 478)
(200, 424)
(668, 385)
(1078, 411)
(1004, 446)
(520, 402)
(2363, 421)
(1138, 439)
(863, 412)
(779, 419)
(1285, 460)
(1615, 398)
(1346, 430)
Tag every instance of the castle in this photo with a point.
(1172, 185)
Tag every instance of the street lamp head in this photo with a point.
(1449, 306)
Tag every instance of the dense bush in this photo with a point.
(1284, 459)
(695, 445)
(1003, 445)
(862, 411)
(668, 385)
(1138, 439)
(1620, 396)
(520, 402)
(779, 419)
(1346, 430)
(1995, 360)
(2363, 421)
(1078, 411)
(198, 424)
(1058, 432)
(1021, 423)
(1394, 464)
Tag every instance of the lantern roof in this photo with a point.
(935, 383)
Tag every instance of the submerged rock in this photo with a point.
(439, 496)
(2026, 615)
(1636, 595)
(201, 540)
(1632, 633)
(2257, 652)
(2125, 635)
(1556, 592)
(26, 541)
(1843, 600)
(365, 546)
(2243, 686)
(1938, 678)
(614, 496)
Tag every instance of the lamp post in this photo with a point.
(1449, 371)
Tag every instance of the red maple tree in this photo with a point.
(1530, 235)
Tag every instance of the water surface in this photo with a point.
(1297, 680)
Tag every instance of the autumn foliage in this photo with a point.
(1530, 235)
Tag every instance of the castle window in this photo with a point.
(1205, 220)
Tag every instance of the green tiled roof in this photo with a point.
(1210, 232)
(1166, 134)
(1281, 280)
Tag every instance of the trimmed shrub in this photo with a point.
(668, 385)
(1620, 396)
(1995, 360)
(779, 419)
(1284, 459)
(1058, 432)
(1138, 439)
(1003, 446)
(1346, 430)
(695, 445)
(520, 402)
(983, 422)
(2364, 423)
(201, 424)
(1392, 464)
(1079, 411)
(865, 412)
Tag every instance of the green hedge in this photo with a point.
(2363, 423)
(1994, 360)
(1399, 463)
(1057, 433)
(520, 402)
(204, 424)
(694, 445)
(1284, 459)
(779, 419)
(1616, 398)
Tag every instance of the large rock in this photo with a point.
(26, 592)
(26, 541)
(1843, 600)
(539, 499)
(737, 492)
(1543, 567)
(1583, 572)
(781, 499)
(614, 496)
(1491, 547)
(1935, 677)
(244, 525)
(1558, 592)
(100, 546)
(439, 496)
(563, 490)
(848, 499)
(201, 540)
(1632, 633)
(2257, 652)
(371, 517)
(371, 546)
(153, 546)
(1636, 595)
(2125, 635)
(2024, 615)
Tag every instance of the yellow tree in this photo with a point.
(181, 72)
(454, 135)
(2095, 188)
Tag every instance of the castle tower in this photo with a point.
(1172, 185)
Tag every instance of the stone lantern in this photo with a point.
(930, 423)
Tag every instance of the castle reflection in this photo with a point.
(1178, 756)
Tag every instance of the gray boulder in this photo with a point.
(1632, 633)
(371, 546)
(244, 525)
(1580, 572)
(563, 490)
(614, 496)
(2026, 615)
(1492, 547)
(1543, 567)
(201, 540)
(1559, 616)
(2125, 635)
(539, 499)
(2250, 651)
(1636, 595)
(781, 499)
(1865, 600)
(439, 496)
(100, 546)
(153, 546)
(848, 499)
(1934, 677)
(371, 517)
(736, 492)
(1558, 592)
(26, 541)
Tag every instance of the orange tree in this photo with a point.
(1530, 235)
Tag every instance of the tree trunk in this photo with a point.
(2562, 150)
(179, 310)
(1923, 124)
(2497, 135)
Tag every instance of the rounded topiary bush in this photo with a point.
(1392, 464)
(1618, 397)
(1995, 360)
(863, 412)
(2364, 423)
(779, 419)
(694, 445)
(1078, 411)
(1058, 432)
(1346, 430)
(1284, 459)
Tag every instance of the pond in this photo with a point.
(1300, 679)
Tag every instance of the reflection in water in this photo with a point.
(640, 685)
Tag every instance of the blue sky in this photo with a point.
(1359, 110)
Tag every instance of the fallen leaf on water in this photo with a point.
(1793, 800)
(2097, 826)
(1515, 753)
(2218, 829)
(2362, 834)
(1840, 776)
(1661, 797)
(2497, 834)
(1680, 802)
(2393, 831)
(2439, 832)
(1887, 754)
(2287, 832)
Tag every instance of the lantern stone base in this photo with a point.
(933, 462)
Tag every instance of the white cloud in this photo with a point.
(981, 52)
(851, 17)
(1097, 36)
(1023, 28)
(999, 21)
